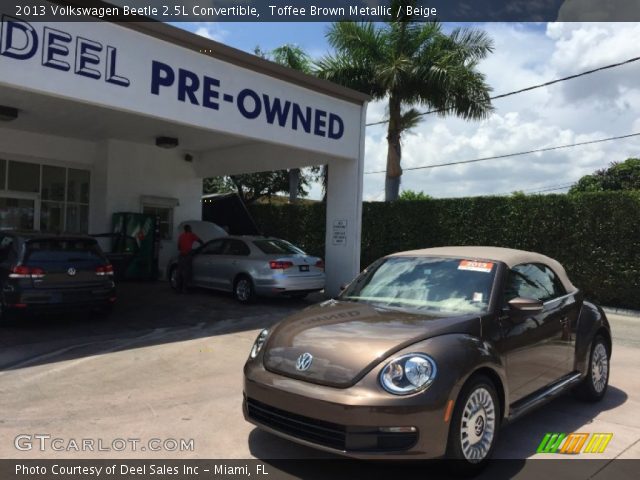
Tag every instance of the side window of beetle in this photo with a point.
(531, 280)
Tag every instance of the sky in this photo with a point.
(596, 106)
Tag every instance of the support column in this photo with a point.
(344, 218)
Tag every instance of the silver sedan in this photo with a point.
(253, 265)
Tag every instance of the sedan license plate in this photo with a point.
(304, 268)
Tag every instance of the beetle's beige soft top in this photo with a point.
(508, 256)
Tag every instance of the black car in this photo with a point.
(44, 272)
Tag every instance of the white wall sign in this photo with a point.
(339, 232)
(106, 64)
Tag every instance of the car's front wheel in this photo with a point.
(595, 384)
(243, 289)
(474, 425)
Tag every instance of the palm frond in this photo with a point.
(343, 70)
(410, 119)
(292, 56)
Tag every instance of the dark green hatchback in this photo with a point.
(43, 272)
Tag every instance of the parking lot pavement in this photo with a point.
(145, 313)
(171, 369)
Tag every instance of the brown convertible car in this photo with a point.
(427, 353)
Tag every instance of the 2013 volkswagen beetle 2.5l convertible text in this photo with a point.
(426, 353)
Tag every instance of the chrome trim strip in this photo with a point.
(558, 298)
(543, 396)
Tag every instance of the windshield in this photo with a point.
(277, 247)
(424, 283)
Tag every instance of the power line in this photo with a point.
(553, 189)
(527, 89)
(543, 189)
(534, 190)
(506, 155)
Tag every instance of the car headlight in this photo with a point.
(408, 373)
(259, 343)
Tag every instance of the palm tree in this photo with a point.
(294, 57)
(410, 63)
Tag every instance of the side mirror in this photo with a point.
(526, 305)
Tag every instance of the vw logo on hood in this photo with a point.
(304, 362)
(71, 271)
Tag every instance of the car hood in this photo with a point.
(347, 339)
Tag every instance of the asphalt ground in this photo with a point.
(168, 366)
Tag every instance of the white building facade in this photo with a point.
(83, 104)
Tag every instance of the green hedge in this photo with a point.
(596, 236)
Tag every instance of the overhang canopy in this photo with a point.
(98, 79)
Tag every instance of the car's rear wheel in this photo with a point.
(474, 425)
(243, 289)
(594, 386)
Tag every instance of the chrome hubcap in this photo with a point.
(478, 425)
(599, 368)
(243, 290)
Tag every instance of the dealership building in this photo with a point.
(98, 118)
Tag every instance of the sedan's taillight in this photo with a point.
(104, 270)
(22, 271)
(320, 264)
(279, 265)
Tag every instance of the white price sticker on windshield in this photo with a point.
(473, 266)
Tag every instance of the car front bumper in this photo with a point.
(362, 421)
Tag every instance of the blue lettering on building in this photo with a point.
(253, 107)
(89, 58)
(274, 110)
(204, 90)
(55, 49)
(303, 118)
(210, 86)
(20, 40)
(336, 127)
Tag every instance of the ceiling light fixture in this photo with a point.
(8, 114)
(167, 142)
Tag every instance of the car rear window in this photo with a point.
(62, 251)
(277, 247)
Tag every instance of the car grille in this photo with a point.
(339, 437)
(305, 428)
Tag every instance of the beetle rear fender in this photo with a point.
(591, 320)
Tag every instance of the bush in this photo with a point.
(596, 236)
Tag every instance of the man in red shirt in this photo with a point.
(185, 246)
